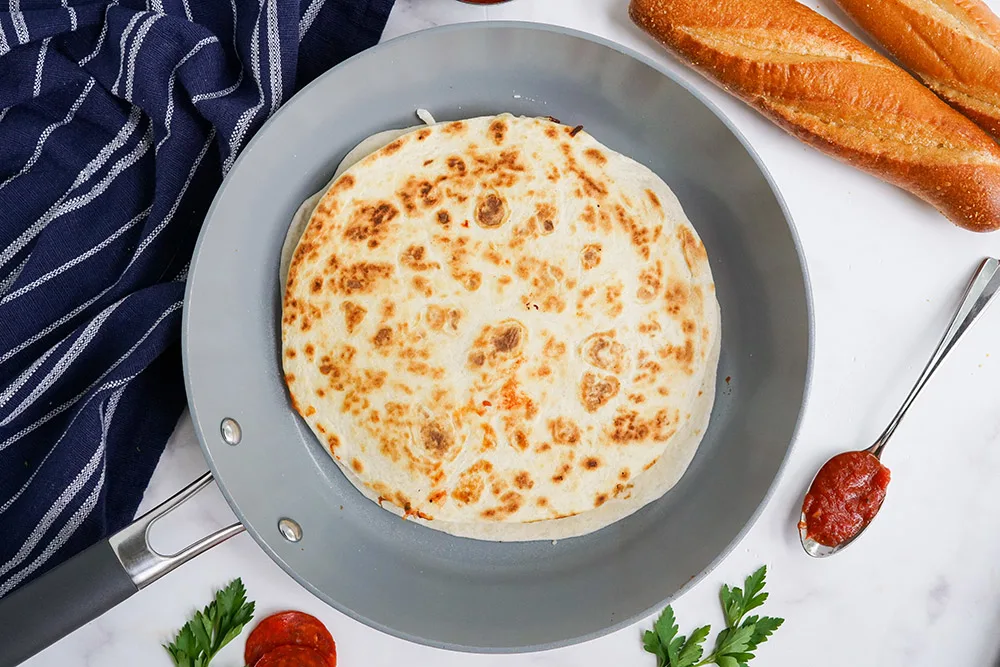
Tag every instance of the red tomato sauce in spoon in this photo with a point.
(846, 494)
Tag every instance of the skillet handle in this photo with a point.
(92, 582)
(59, 602)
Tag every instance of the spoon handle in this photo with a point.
(984, 286)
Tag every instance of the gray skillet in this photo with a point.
(406, 580)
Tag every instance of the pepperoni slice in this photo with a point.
(290, 628)
(294, 656)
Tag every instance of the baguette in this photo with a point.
(831, 91)
(953, 46)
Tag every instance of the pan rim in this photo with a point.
(809, 328)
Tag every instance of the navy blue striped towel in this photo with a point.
(118, 121)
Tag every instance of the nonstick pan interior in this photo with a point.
(421, 584)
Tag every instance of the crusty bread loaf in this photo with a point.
(952, 45)
(828, 89)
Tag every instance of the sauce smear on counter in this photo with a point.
(844, 497)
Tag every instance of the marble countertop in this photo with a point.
(923, 585)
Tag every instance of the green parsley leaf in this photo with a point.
(692, 651)
(666, 626)
(209, 630)
(753, 587)
(763, 629)
(733, 640)
(734, 645)
(652, 644)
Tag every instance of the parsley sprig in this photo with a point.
(219, 623)
(734, 646)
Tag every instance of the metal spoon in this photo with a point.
(984, 286)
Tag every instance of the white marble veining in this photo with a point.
(923, 585)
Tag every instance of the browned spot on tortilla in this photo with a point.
(640, 235)
(471, 483)
(371, 223)
(357, 466)
(521, 440)
(523, 480)
(344, 183)
(629, 427)
(456, 127)
(564, 431)
(600, 499)
(590, 256)
(688, 327)
(332, 442)
(290, 353)
(471, 280)
(489, 438)
(423, 134)
(694, 251)
(561, 473)
(553, 348)
(437, 317)
(491, 211)
(601, 350)
(393, 147)
(676, 297)
(310, 351)
(624, 474)
(595, 156)
(353, 315)
(649, 284)
(498, 129)
(508, 337)
(494, 257)
(592, 187)
(422, 286)
(436, 438)
(476, 359)
(511, 503)
(596, 392)
(317, 285)
(382, 337)
(416, 191)
(592, 463)
(613, 299)
(546, 214)
(682, 354)
(415, 258)
(551, 132)
(654, 199)
(361, 277)
(443, 217)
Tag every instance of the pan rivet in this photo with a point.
(290, 530)
(231, 431)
